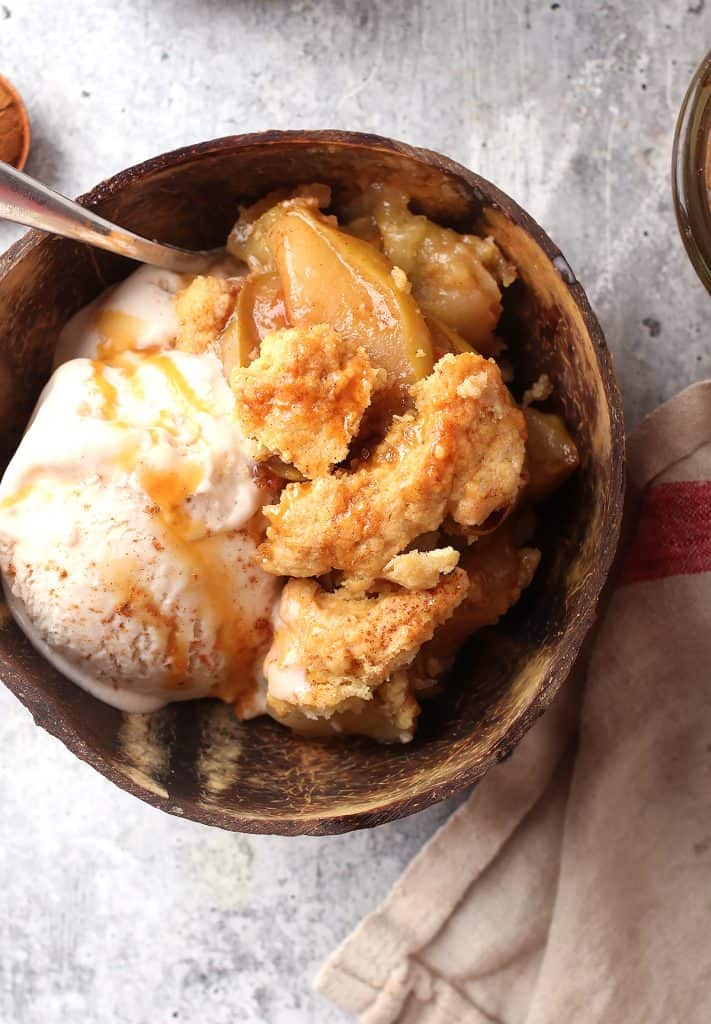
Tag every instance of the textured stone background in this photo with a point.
(110, 912)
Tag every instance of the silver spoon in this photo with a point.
(26, 201)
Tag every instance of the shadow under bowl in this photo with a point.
(195, 759)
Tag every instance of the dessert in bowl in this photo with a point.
(305, 493)
(297, 483)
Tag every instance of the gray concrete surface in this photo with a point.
(110, 912)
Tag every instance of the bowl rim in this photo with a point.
(387, 809)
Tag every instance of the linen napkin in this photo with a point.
(575, 883)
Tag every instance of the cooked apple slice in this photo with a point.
(259, 311)
(248, 238)
(551, 455)
(445, 339)
(455, 277)
(331, 277)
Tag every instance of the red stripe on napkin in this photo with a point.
(673, 535)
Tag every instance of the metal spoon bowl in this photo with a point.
(29, 202)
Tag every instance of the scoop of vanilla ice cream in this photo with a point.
(127, 532)
(139, 313)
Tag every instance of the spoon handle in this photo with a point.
(26, 201)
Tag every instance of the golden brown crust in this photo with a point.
(203, 309)
(304, 397)
(460, 454)
(340, 647)
(420, 570)
(389, 717)
(491, 435)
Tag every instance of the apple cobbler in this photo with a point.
(362, 357)
(298, 483)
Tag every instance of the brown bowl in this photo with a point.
(196, 759)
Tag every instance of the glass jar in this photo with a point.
(691, 171)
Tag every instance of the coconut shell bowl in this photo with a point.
(196, 759)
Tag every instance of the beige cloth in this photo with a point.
(575, 883)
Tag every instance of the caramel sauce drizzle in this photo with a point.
(19, 495)
(107, 390)
(119, 330)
